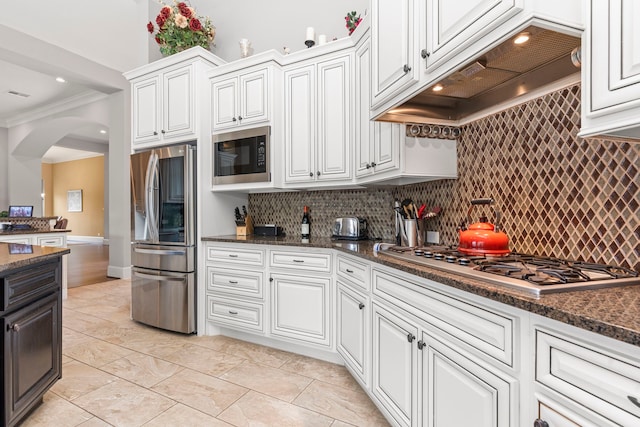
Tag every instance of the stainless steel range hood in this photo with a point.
(501, 74)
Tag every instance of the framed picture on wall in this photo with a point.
(74, 200)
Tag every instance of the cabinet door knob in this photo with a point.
(421, 345)
(540, 423)
(410, 337)
(14, 328)
(239, 117)
(374, 164)
(318, 173)
(361, 306)
(271, 279)
(234, 119)
(406, 68)
(310, 173)
(162, 131)
(424, 54)
(368, 166)
(155, 133)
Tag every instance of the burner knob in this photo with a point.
(418, 252)
(464, 261)
(438, 256)
(450, 258)
(428, 254)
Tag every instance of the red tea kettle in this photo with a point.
(482, 238)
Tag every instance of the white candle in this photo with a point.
(322, 39)
(311, 34)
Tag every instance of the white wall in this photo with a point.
(4, 170)
(267, 24)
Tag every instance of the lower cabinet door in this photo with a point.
(32, 355)
(395, 365)
(457, 391)
(300, 308)
(353, 330)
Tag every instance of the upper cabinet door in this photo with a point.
(299, 124)
(224, 102)
(146, 110)
(254, 97)
(452, 24)
(334, 134)
(393, 55)
(615, 39)
(178, 103)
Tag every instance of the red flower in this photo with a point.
(150, 27)
(184, 10)
(195, 25)
(160, 20)
(165, 12)
(158, 40)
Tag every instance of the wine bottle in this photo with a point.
(306, 224)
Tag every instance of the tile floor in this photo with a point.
(120, 373)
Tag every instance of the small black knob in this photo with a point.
(162, 131)
(271, 279)
(406, 68)
(155, 133)
(318, 173)
(540, 423)
(410, 337)
(368, 166)
(374, 164)
(421, 345)
(361, 306)
(239, 117)
(424, 54)
(310, 173)
(234, 119)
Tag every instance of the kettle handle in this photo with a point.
(484, 201)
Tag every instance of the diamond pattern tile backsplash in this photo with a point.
(559, 195)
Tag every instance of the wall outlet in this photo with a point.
(433, 237)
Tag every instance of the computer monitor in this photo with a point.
(20, 211)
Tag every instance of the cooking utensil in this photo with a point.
(482, 238)
(421, 210)
(244, 211)
(239, 218)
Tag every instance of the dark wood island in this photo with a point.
(31, 316)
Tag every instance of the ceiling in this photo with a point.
(38, 92)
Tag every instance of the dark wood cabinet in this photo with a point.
(32, 337)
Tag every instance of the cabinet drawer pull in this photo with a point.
(410, 337)
(634, 400)
(233, 282)
(540, 423)
(361, 306)
(233, 312)
(233, 256)
(14, 328)
(298, 260)
(349, 271)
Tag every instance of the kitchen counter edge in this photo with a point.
(597, 310)
(10, 261)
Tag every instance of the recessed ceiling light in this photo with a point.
(102, 131)
(437, 88)
(522, 38)
(60, 80)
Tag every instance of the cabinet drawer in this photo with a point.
(50, 241)
(235, 313)
(487, 331)
(21, 240)
(301, 261)
(235, 256)
(29, 284)
(236, 282)
(599, 381)
(354, 271)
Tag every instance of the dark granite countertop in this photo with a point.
(31, 231)
(15, 255)
(612, 312)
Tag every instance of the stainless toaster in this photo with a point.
(352, 228)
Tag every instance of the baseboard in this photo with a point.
(119, 272)
(87, 239)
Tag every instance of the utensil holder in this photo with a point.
(246, 229)
(410, 237)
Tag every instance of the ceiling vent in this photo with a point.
(20, 94)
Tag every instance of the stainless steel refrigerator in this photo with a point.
(163, 238)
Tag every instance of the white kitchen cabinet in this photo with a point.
(611, 72)
(394, 58)
(318, 122)
(600, 383)
(301, 308)
(353, 330)
(395, 366)
(450, 25)
(452, 380)
(164, 106)
(240, 99)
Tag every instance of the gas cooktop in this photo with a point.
(529, 273)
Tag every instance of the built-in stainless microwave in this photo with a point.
(241, 156)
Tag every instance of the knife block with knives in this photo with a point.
(244, 222)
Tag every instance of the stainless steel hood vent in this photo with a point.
(503, 73)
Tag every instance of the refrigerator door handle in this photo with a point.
(160, 251)
(160, 278)
(148, 200)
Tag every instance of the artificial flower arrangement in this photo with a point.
(352, 21)
(179, 28)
